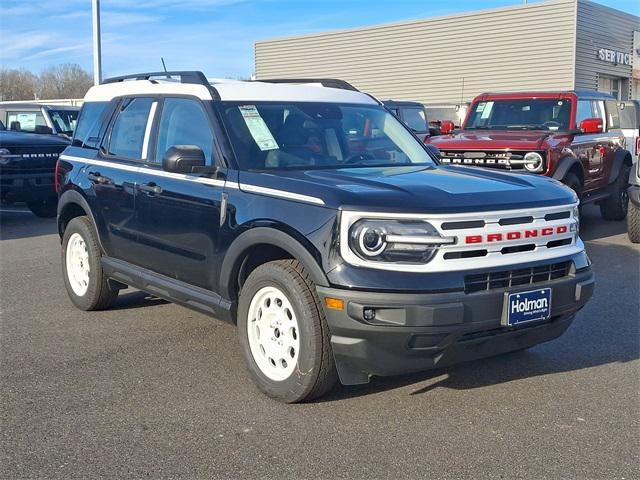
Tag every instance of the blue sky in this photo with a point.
(215, 36)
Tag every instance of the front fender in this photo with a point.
(270, 236)
(564, 165)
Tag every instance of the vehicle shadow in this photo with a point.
(18, 222)
(129, 300)
(606, 331)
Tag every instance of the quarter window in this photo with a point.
(127, 135)
(613, 117)
(88, 129)
(415, 119)
(184, 122)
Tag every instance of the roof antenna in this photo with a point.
(164, 66)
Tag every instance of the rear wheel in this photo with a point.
(633, 223)
(283, 333)
(44, 208)
(87, 286)
(615, 207)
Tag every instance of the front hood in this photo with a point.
(441, 189)
(492, 140)
(10, 139)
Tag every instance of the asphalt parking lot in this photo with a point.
(150, 389)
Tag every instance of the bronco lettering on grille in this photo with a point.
(517, 234)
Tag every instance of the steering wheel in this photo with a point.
(359, 157)
(551, 123)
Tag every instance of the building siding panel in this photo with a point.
(601, 27)
(427, 60)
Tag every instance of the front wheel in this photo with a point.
(283, 333)
(86, 283)
(616, 205)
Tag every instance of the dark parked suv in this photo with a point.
(574, 137)
(316, 221)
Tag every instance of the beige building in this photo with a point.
(551, 45)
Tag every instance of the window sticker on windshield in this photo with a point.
(486, 111)
(258, 128)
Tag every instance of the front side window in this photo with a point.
(128, 132)
(630, 117)
(415, 119)
(520, 114)
(299, 135)
(32, 122)
(184, 122)
(64, 120)
(584, 111)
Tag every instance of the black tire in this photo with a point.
(615, 206)
(315, 373)
(633, 223)
(100, 293)
(572, 181)
(44, 208)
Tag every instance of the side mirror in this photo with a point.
(446, 127)
(183, 159)
(591, 125)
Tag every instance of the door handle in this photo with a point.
(150, 187)
(95, 177)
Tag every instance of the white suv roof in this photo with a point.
(229, 90)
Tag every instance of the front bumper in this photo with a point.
(417, 331)
(27, 187)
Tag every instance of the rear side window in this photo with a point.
(88, 129)
(613, 117)
(184, 122)
(415, 119)
(30, 122)
(128, 132)
(629, 117)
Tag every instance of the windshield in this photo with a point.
(297, 135)
(64, 120)
(520, 114)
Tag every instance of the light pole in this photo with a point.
(97, 50)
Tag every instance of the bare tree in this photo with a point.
(68, 80)
(17, 84)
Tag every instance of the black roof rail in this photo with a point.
(187, 76)
(325, 82)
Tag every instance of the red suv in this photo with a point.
(574, 137)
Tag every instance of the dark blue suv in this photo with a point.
(310, 216)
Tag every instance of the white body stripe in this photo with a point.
(270, 192)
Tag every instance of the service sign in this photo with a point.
(614, 56)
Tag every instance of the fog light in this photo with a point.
(369, 314)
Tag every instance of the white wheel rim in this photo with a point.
(77, 263)
(273, 333)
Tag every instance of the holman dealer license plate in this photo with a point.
(529, 306)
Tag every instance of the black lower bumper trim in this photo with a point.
(414, 332)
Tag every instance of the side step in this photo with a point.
(175, 291)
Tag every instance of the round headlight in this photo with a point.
(533, 162)
(3, 158)
(371, 241)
